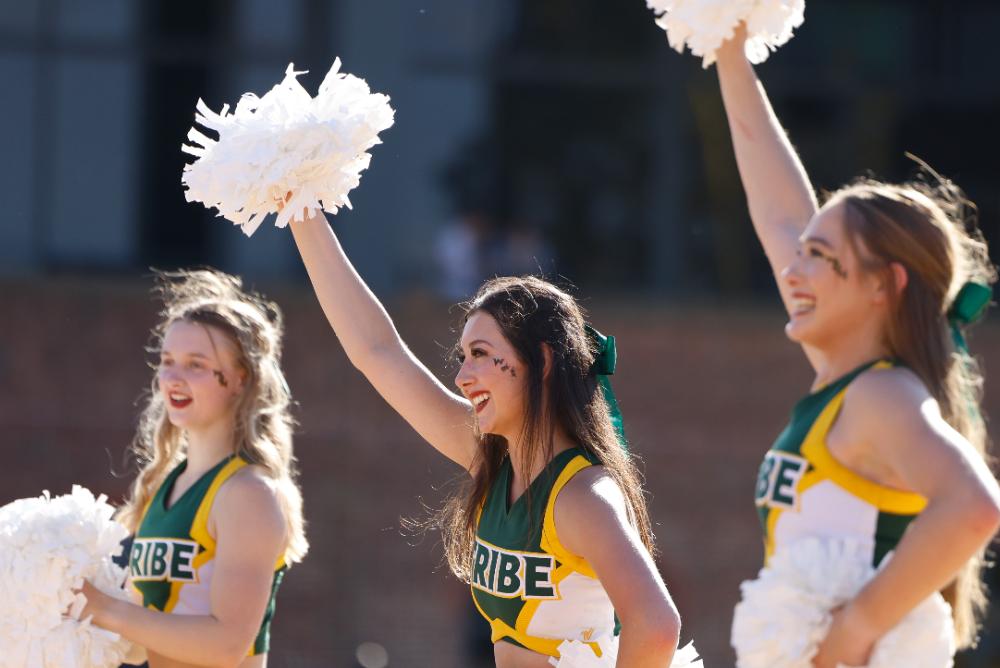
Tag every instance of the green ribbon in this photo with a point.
(604, 366)
(968, 307)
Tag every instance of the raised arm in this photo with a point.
(374, 347)
(779, 195)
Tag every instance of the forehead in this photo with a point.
(482, 325)
(827, 224)
(188, 338)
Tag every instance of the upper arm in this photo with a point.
(592, 521)
(443, 418)
(250, 535)
(893, 417)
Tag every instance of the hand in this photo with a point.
(96, 602)
(280, 202)
(734, 46)
(849, 641)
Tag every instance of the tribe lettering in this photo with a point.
(778, 479)
(510, 574)
(154, 559)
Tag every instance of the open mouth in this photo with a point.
(479, 401)
(802, 305)
(179, 400)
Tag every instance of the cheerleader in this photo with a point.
(887, 447)
(216, 511)
(551, 531)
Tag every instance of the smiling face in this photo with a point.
(198, 375)
(492, 377)
(831, 292)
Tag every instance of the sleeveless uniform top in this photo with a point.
(173, 555)
(533, 592)
(803, 491)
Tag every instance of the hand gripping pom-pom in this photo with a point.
(785, 613)
(577, 654)
(703, 25)
(286, 141)
(48, 546)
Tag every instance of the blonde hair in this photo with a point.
(930, 229)
(263, 430)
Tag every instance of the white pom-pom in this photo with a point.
(48, 546)
(576, 654)
(286, 141)
(703, 25)
(785, 613)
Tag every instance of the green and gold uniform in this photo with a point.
(173, 556)
(534, 592)
(803, 491)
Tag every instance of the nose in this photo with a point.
(168, 375)
(464, 378)
(791, 275)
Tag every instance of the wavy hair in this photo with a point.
(263, 425)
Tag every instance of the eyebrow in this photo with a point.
(472, 343)
(199, 355)
(817, 240)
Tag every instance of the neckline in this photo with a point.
(543, 474)
(168, 484)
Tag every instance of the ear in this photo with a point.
(547, 361)
(899, 276)
(240, 381)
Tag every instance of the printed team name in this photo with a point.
(778, 479)
(511, 574)
(155, 559)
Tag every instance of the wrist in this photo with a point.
(861, 618)
(108, 612)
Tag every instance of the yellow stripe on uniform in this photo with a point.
(550, 538)
(814, 448)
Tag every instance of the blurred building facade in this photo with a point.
(573, 119)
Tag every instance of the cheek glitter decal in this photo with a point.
(837, 267)
(219, 377)
(506, 368)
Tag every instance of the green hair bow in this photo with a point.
(969, 306)
(604, 366)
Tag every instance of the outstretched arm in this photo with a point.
(375, 348)
(779, 195)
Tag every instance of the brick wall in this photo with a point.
(703, 391)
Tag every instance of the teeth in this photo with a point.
(480, 398)
(178, 397)
(800, 304)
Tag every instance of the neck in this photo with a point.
(845, 353)
(519, 455)
(209, 445)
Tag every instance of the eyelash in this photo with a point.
(476, 352)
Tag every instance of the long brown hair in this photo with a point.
(263, 434)
(929, 227)
(531, 312)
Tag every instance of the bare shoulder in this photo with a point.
(591, 493)
(886, 393)
(887, 408)
(250, 494)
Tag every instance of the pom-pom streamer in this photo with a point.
(703, 25)
(786, 612)
(48, 546)
(286, 141)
